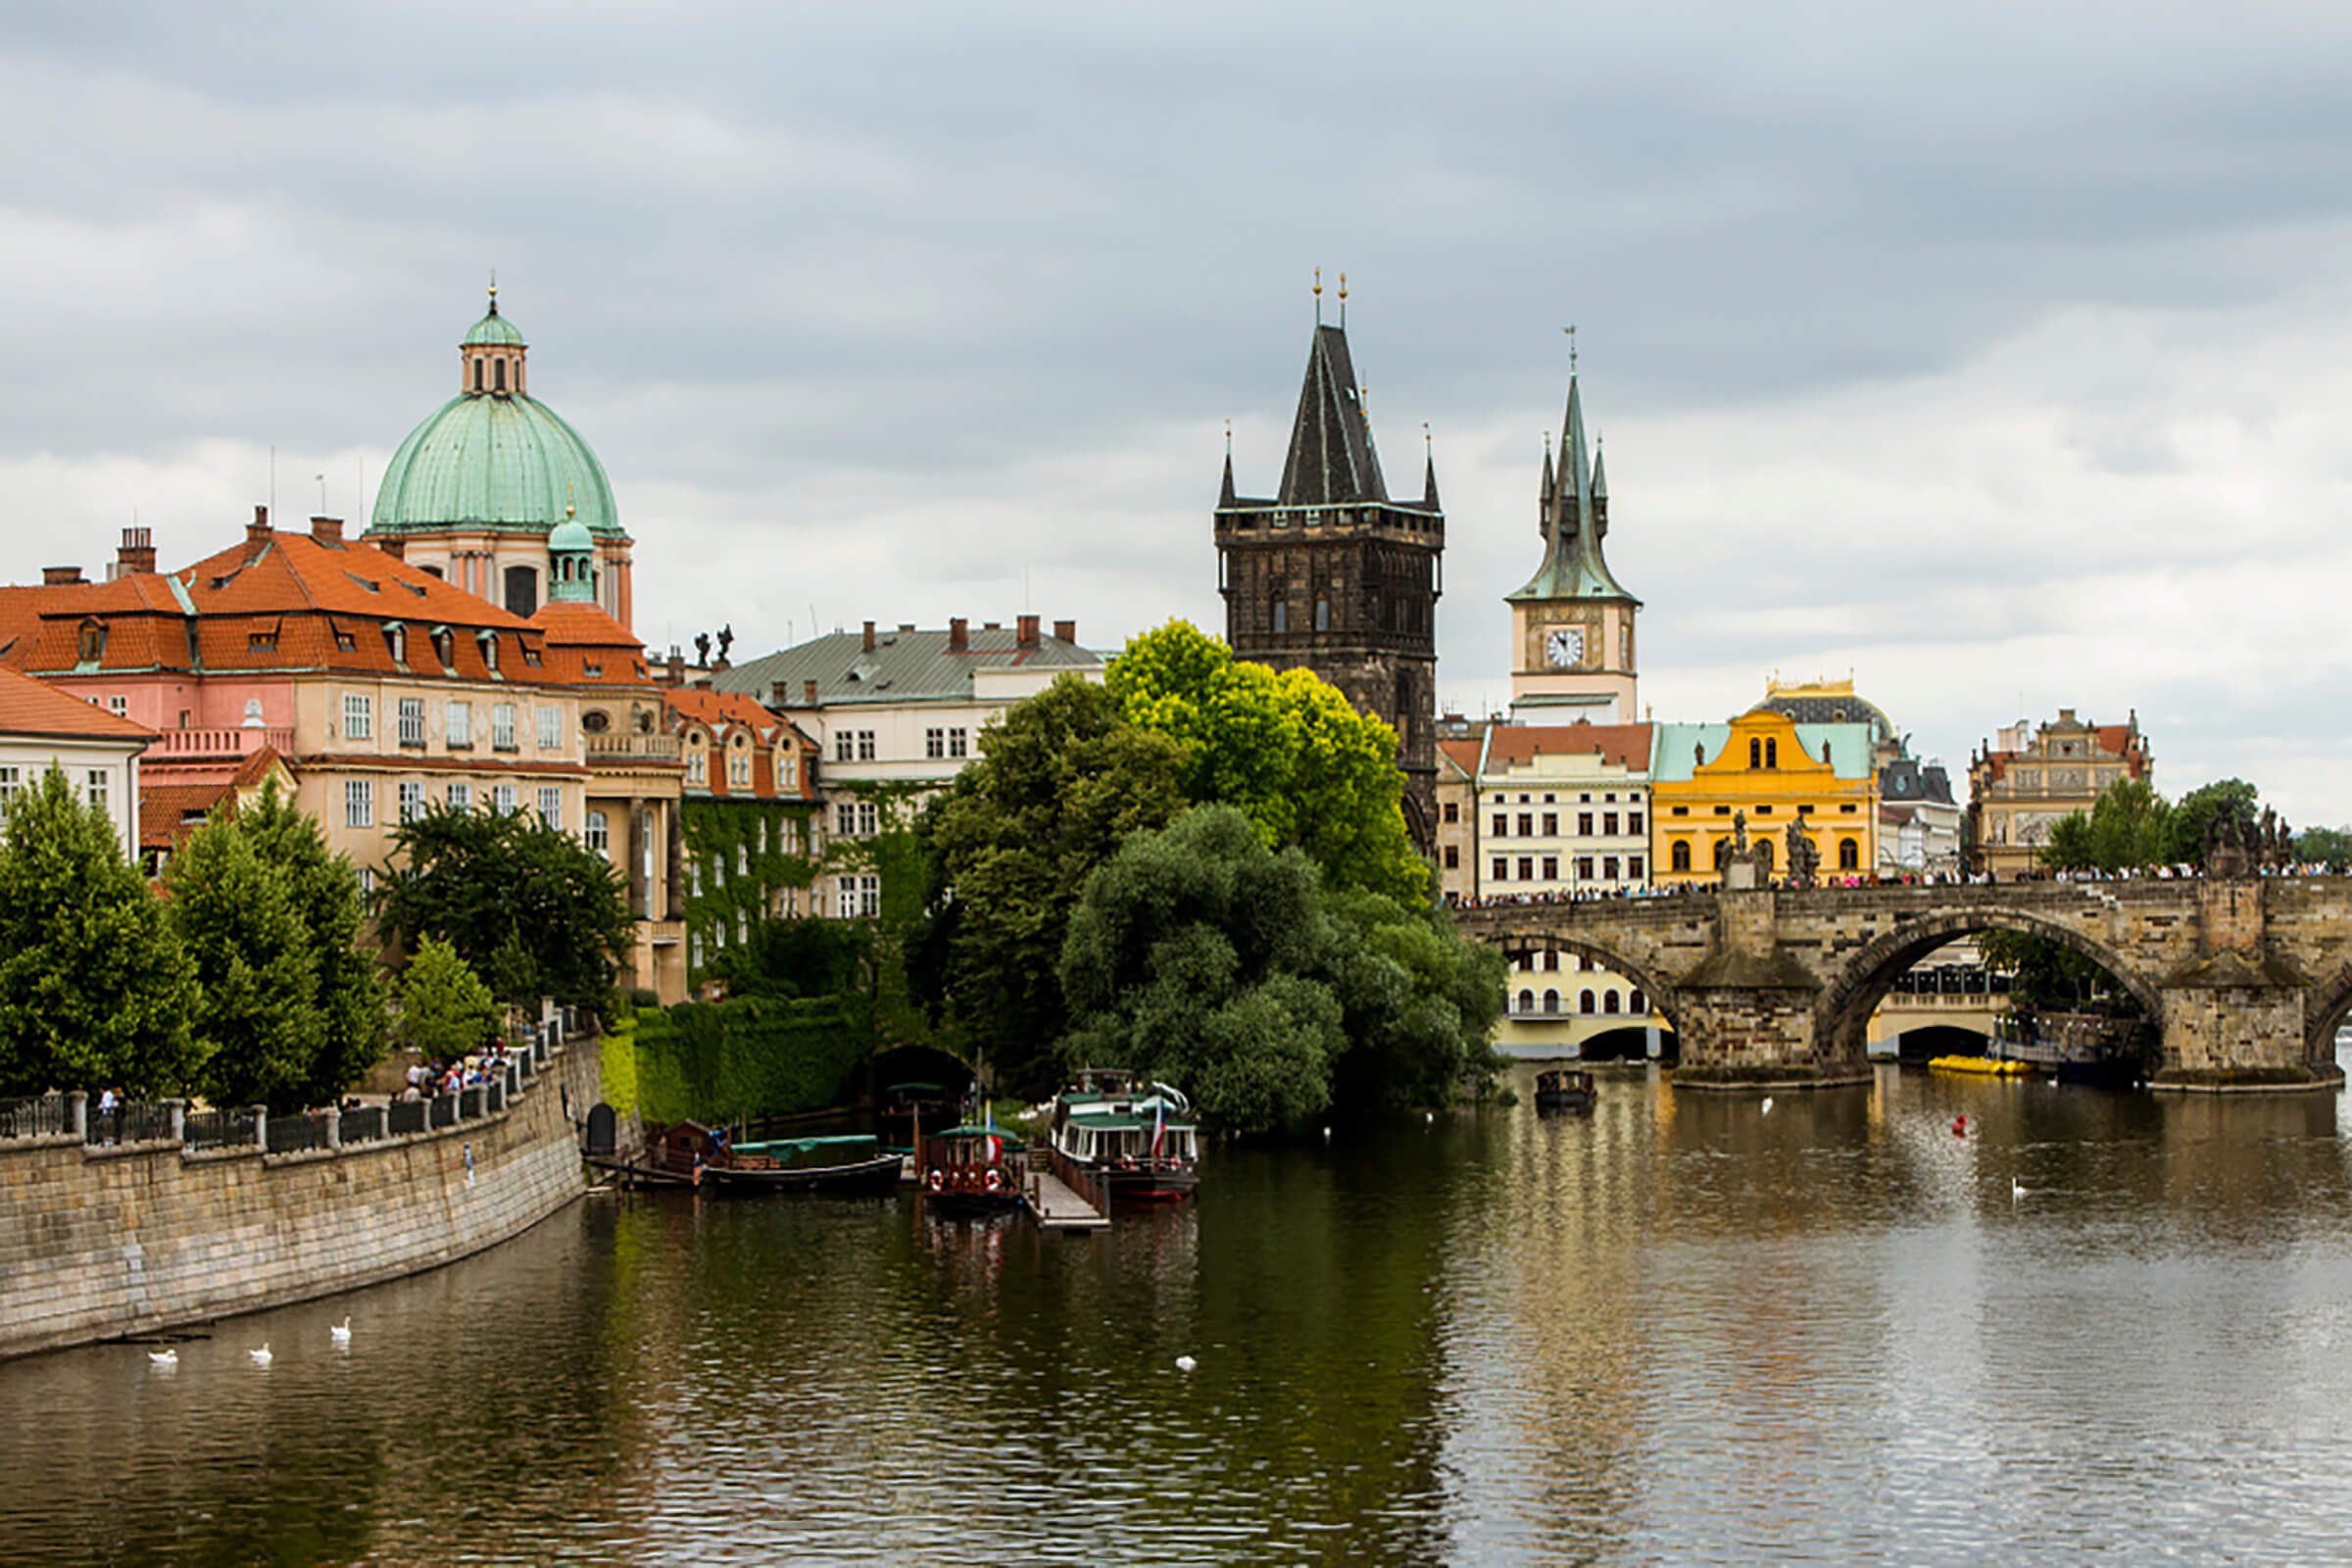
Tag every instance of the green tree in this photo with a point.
(2326, 846)
(1061, 781)
(807, 958)
(1286, 750)
(258, 1009)
(95, 988)
(2044, 973)
(1202, 956)
(2130, 827)
(323, 890)
(445, 1010)
(2069, 847)
(532, 910)
(2233, 799)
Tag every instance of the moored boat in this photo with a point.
(1140, 1138)
(839, 1163)
(972, 1169)
(1563, 1089)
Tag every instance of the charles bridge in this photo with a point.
(2242, 979)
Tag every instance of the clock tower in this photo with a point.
(1572, 626)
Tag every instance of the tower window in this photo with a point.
(502, 376)
(1282, 616)
(1322, 614)
(478, 375)
(1772, 753)
(1755, 753)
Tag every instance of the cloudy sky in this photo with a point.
(2003, 357)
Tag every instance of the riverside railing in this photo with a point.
(172, 1121)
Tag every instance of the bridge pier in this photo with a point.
(2234, 1017)
(1746, 1012)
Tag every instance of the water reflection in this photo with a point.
(1677, 1330)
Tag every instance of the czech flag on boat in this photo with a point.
(1159, 1122)
(996, 1144)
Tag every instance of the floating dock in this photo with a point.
(1052, 1204)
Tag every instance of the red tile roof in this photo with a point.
(29, 707)
(1624, 746)
(1463, 755)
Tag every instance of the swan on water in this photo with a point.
(262, 1356)
(341, 1332)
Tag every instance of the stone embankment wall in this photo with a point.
(97, 1242)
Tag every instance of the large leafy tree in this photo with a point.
(2128, 826)
(445, 1008)
(95, 988)
(1286, 750)
(2326, 846)
(258, 1012)
(1061, 783)
(534, 910)
(323, 891)
(1203, 957)
(2232, 798)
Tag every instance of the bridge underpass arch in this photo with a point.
(1658, 997)
(1865, 977)
(2330, 1008)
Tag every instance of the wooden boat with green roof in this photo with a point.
(972, 1169)
(845, 1163)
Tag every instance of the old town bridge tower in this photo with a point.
(1333, 575)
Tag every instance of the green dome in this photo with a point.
(499, 460)
(570, 534)
(492, 330)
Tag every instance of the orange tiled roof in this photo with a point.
(29, 707)
(1618, 745)
(1463, 755)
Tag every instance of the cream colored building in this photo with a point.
(97, 749)
(2029, 780)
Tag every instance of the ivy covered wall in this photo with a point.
(739, 856)
(717, 1061)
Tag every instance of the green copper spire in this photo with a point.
(1576, 516)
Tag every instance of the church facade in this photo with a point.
(1333, 574)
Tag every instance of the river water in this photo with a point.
(1680, 1331)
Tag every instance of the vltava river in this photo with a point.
(1682, 1331)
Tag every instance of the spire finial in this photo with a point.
(1426, 448)
(1229, 438)
(1571, 332)
(494, 291)
(1318, 296)
(569, 510)
(1343, 300)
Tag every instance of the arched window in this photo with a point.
(1584, 1001)
(1527, 1001)
(1551, 961)
(1849, 855)
(1764, 855)
(1680, 854)
(1633, 1001)
(1551, 1002)
(1755, 753)
(502, 376)
(1608, 1002)
(478, 375)
(1723, 853)
(1772, 753)
(1282, 616)
(523, 591)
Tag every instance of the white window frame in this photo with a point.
(411, 722)
(457, 722)
(551, 729)
(358, 717)
(502, 726)
(411, 795)
(358, 803)
(551, 806)
(598, 835)
(958, 742)
(504, 796)
(461, 796)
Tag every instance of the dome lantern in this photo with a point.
(492, 356)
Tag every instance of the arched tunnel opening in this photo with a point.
(1999, 987)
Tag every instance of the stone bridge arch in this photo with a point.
(1864, 976)
(1658, 990)
(2329, 999)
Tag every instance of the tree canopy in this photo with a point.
(96, 990)
(1286, 750)
(2228, 798)
(2131, 825)
(257, 1011)
(534, 911)
(2326, 846)
(1200, 955)
(323, 889)
(445, 1008)
(1059, 784)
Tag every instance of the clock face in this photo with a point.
(1564, 646)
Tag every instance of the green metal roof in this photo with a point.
(1114, 1121)
(500, 461)
(904, 666)
(492, 330)
(1574, 567)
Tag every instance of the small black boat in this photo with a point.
(1563, 1090)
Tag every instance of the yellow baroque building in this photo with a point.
(1768, 770)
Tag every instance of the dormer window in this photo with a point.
(490, 651)
(445, 648)
(396, 643)
(89, 646)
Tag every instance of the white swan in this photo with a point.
(341, 1332)
(1764, 1108)
(2017, 1189)
(262, 1356)
(1185, 1363)
(163, 1358)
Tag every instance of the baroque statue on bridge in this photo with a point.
(1739, 833)
(1804, 859)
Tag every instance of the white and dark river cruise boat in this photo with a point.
(1139, 1137)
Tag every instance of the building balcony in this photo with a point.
(241, 741)
(629, 748)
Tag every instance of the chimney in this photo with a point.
(58, 576)
(991, 626)
(959, 635)
(257, 533)
(327, 530)
(393, 545)
(1026, 633)
(677, 666)
(1066, 630)
(869, 636)
(905, 626)
(2066, 715)
(137, 552)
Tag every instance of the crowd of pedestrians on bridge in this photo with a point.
(2173, 872)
